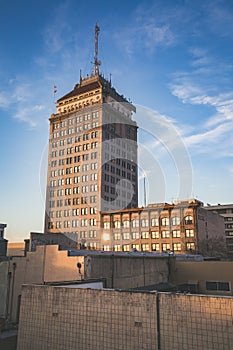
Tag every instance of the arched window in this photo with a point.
(188, 220)
(135, 223)
(165, 221)
(117, 224)
(175, 221)
(126, 223)
(154, 222)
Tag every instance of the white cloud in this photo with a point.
(4, 101)
(29, 114)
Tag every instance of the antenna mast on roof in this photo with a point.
(96, 61)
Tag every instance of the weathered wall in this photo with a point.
(129, 271)
(4, 268)
(55, 318)
(196, 322)
(58, 318)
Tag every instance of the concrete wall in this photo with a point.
(202, 271)
(63, 318)
(4, 290)
(129, 271)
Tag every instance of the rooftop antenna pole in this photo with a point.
(144, 179)
(96, 61)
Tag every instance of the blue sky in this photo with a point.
(173, 59)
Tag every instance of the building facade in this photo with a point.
(92, 161)
(225, 210)
(181, 227)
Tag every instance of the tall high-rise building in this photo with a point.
(92, 160)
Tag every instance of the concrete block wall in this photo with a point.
(64, 318)
(58, 318)
(196, 322)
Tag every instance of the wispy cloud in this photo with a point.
(4, 100)
(30, 114)
(216, 129)
(21, 102)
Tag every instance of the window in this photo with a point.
(66, 224)
(175, 221)
(165, 247)
(144, 222)
(76, 201)
(93, 176)
(84, 211)
(145, 247)
(176, 247)
(126, 235)
(135, 223)
(117, 248)
(126, 223)
(176, 233)
(126, 248)
(93, 245)
(165, 221)
(135, 235)
(93, 222)
(189, 233)
(188, 220)
(106, 224)
(135, 246)
(190, 246)
(154, 222)
(145, 234)
(93, 210)
(93, 188)
(84, 189)
(74, 223)
(155, 234)
(116, 236)
(93, 199)
(155, 247)
(165, 234)
(84, 222)
(75, 212)
(218, 286)
(106, 248)
(117, 224)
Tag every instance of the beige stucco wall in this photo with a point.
(202, 271)
(63, 318)
(46, 264)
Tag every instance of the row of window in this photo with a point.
(153, 234)
(72, 223)
(188, 220)
(74, 201)
(154, 247)
(72, 212)
(70, 180)
(78, 129)
(75, 190)
(108, 166)
(78, 119)
(75, 159)
(77, 138)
